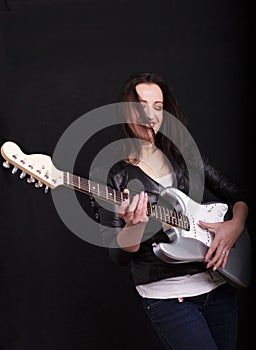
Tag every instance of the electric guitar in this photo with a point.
(187, 240)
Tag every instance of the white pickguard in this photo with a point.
(190, 245)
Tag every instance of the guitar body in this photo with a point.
(192, 245)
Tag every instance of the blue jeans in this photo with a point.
(204, 322)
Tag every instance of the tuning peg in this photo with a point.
(6, 164)
(23, 174)
(46, 189)
(14, 170)
(30, 179)
(38, 184)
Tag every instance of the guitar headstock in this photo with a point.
(39, 167)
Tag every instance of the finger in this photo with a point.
(126, 193)
(210, 253)
(141, 209)
(219, 259)
(122, 210)
(220, 262)
(140, 203)
(211, 226)
(224, 263)
(205, 223)
(133, 204)
(145, 202)
(125, 202)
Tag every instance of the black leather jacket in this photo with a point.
(145, 265)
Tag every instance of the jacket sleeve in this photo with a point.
(110, 225)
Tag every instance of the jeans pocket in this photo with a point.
(149, 303)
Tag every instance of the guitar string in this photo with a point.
(164, 214)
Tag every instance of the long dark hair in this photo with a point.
(128, 93)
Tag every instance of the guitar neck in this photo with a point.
(113, 196)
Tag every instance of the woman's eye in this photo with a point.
(158, 108)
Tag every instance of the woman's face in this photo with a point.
(151, 99)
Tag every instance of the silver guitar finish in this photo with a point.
(192, 245)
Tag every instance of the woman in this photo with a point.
(190, 305)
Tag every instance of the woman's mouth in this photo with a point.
(150, 125)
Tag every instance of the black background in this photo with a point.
(61, 59)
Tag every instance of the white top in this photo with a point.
(181, 286)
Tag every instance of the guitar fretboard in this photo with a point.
(108, 194)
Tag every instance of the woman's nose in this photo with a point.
(150, 112)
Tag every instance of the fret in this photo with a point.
(153, 211)
(89, 186)
(71, 180)
(93, 189)
(167, 214)
(148, 209)
(105, 191)
(102, 191)
(158, 212)
(84, 185)
(110, 194)
(161, 212)
(180, 218)
(119, 197)
(173, 218)
(106, 196)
